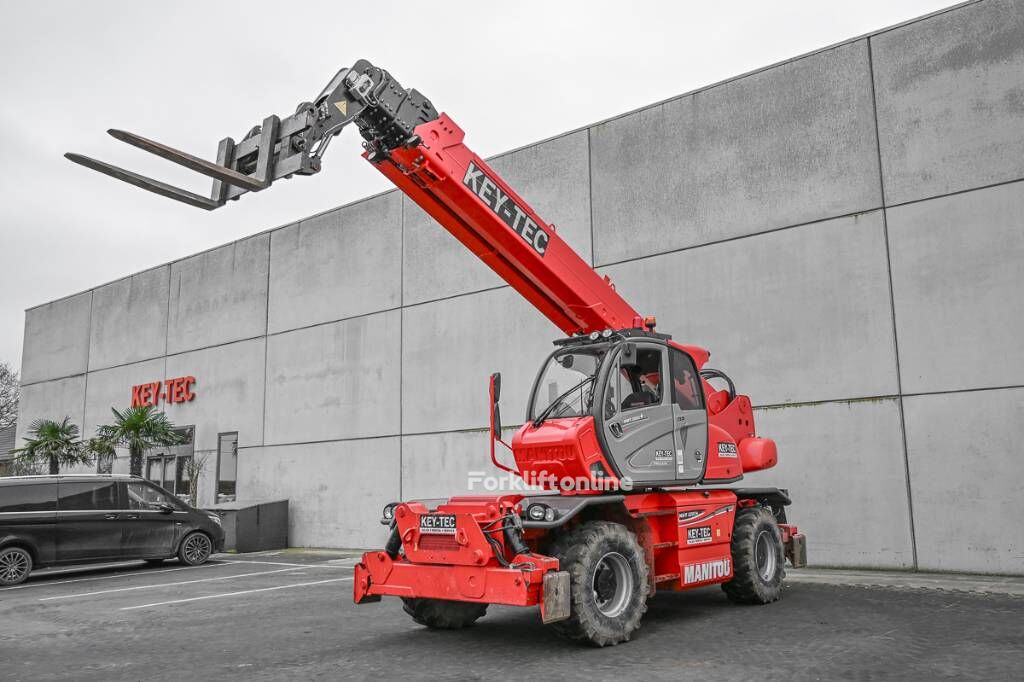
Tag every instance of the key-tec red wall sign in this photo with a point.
(178, 390)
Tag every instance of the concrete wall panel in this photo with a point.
(109, 388)
(788, 145)
(958, 286)
(454, 463)
(966, 467)
(229, 393)
(340, 264)
(336, 491)
(56, 339)
(51, 400)
(951, 100)
(219, 296)
(337, 380)
(796, 315)
(129, 319)
(552, 177)
(451, 347)
(843, 465)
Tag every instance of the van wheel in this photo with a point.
(608, 583)
(15, 565)
(195, 549)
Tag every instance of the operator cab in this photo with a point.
(644, 395)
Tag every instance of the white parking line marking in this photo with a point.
(159, 585)
(284, 563)
(234, 594)
(141, 571)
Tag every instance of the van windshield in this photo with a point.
(566, 386)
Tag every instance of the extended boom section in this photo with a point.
(465, 195)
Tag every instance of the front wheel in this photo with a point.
(757, 558)
(443, 614)
(608, 583)
(195, 549)
(15, 565)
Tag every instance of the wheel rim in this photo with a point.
(612, 584)
(197, 548)
(13, 566)
(765, 555)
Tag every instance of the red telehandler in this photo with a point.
(627, 444)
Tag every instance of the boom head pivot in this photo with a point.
(385, 113)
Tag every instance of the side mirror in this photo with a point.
(495, 391)
(165, 508)
(495, 388)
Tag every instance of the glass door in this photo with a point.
(168, 468)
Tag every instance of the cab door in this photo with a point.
(689, 416)
(638, 413)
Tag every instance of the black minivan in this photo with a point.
(72, 519)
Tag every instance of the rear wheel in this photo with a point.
(443, 614)
(15, 565)
(757, 558)
(608, 587)
(195, 549)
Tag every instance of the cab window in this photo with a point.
(142, 496)
(566, 385)
(639, 378)
(686, 387)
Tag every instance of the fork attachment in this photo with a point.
(385, 113)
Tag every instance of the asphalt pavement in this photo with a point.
(289, 616)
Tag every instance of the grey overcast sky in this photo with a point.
(189, 73)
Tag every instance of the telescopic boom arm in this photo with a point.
(422, 153)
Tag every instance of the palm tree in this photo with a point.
(100, 450)
(139, 429)
(54, 442)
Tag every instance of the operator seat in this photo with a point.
(639, 399)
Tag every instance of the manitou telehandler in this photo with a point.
(626, 438)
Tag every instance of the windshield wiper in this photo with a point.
(554, 403)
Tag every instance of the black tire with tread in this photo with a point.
(579, 551)
(181, 549)
(443, 614)
(747, 585)
(23, 556)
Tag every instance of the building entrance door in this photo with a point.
(168, 466)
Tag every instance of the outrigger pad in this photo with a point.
(555, 604)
